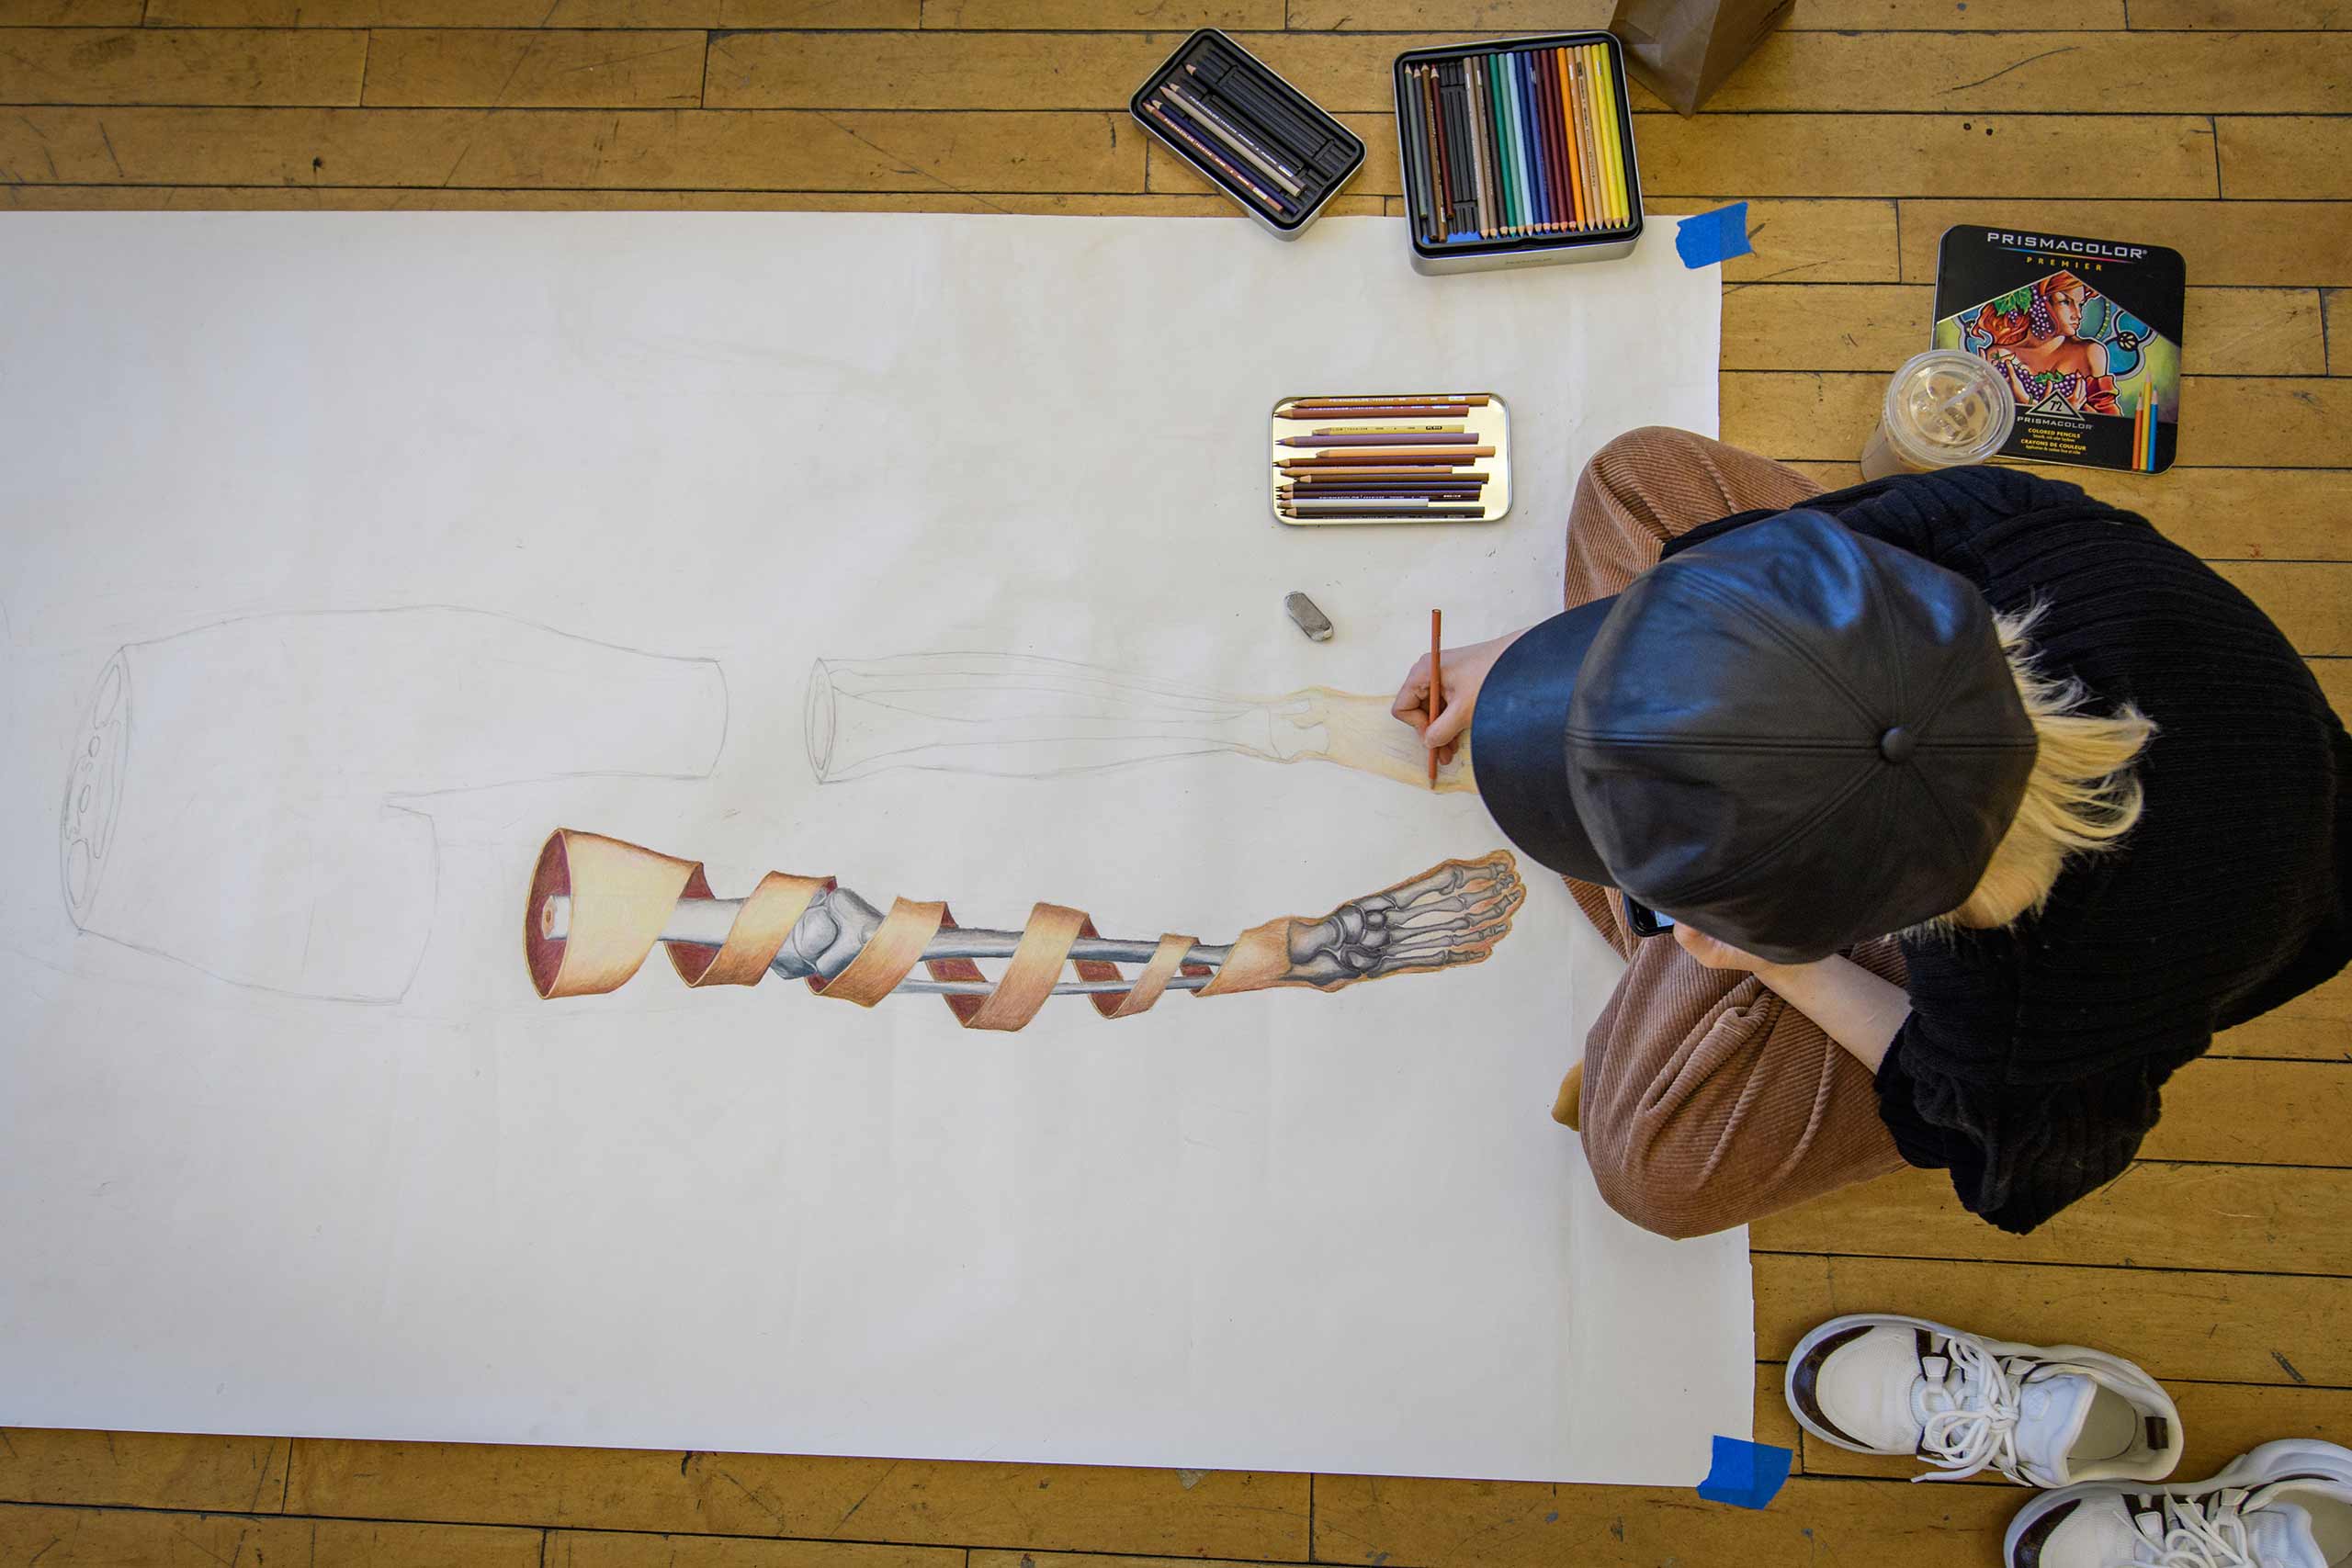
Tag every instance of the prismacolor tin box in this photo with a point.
(2087, 333)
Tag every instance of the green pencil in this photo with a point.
(1487, 76)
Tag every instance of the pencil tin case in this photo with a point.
(1248, 131)
(1496, 173)
(1390, 457)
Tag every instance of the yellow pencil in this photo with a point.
(1557, 60)
(1600, 137)
(1612, 148)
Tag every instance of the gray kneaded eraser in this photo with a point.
(1312, 621)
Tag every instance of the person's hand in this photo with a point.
(1464, 669)
(1716, 955)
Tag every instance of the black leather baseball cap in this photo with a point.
(1791, 738)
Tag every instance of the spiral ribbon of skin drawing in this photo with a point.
(636, 890)
(598, 906)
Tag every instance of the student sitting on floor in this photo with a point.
(1962, 783)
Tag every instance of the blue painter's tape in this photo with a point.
(1713, 237)
(1745, 1475)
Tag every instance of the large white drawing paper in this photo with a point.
(481, 692)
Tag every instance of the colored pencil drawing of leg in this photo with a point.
(598, 906)
(1018, 716)
(245, 799)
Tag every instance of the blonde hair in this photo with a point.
(2081, 799)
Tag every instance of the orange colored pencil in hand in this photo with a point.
(1437, 681)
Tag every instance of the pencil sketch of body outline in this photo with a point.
(597, 907)
(1023, 715)
(108, 745)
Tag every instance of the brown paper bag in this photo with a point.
(1683, 50)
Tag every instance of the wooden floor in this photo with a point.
(2222, 1261)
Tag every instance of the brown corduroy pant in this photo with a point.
(1708, 1102)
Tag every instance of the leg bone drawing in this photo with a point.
(1019, 717)
(598, 906)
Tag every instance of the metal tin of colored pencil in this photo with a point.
(1554, 235)
(1353, 485)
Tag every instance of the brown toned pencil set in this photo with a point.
(1391, 458)
(1518, 150)
(1249, 132)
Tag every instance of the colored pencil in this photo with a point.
(1459, 494)
(1589, 127)
(1567, 137)
(1538, 79)
(1514, 182)
(1396, 489)
(1539, 132)
(1556, 68)
(1392, 399)
(1451, 200)
(1377, 439)
(1605, 123)
(1433, 167)
(1250, 152)
(1437, 680)
(1560, 146)
(1458, 206)
(1388, 456)
(1473, 156)
(1620, 191)
(1462, 209)
(1424, 162)
(1391, 430)
(1169, 121)
(1386, 514)
(1523, 197)
(1531, 168)
(1418, 194)
(2155, 409)
(1292, 486)
(1399, 411)
(1491, 147)
(1572, 145)
(1318, 476)
(1363, 503)
(1405, 479)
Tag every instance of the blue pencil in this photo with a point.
(1537, 141)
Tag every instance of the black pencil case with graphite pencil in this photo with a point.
(1247, 131)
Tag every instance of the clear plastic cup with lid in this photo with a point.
(1944, 408)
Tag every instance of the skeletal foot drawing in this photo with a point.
(1453, 914)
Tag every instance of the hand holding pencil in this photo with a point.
(1459, 673)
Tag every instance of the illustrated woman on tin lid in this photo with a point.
(2039, 352)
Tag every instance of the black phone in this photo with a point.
(1643, 921)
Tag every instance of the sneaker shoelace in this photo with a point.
(1974, 1399)
(2193, 1532)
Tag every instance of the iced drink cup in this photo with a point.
(1944, 408)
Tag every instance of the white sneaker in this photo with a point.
(2284, 1505)
(2047, 1416)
